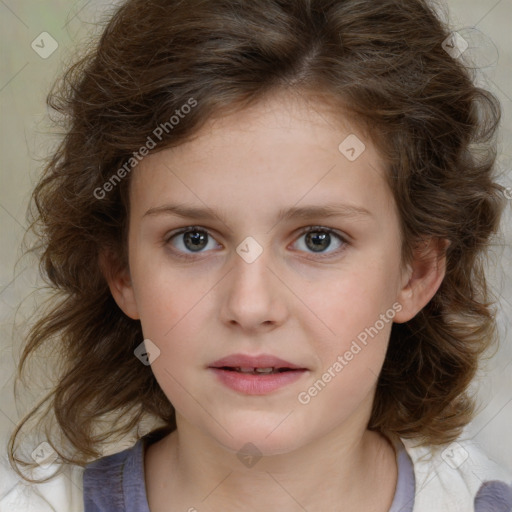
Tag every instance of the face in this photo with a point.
(317, 289)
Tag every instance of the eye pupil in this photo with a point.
(198, 239)
(320, 240)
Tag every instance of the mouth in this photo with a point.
(263, 364)
(258, 371)
(256, 375)
(257, 380)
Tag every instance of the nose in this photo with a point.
(254, 296)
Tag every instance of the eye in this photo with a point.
(318, 239)
(192, 239)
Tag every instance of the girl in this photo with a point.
(265, 225)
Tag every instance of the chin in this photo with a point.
(258, 439)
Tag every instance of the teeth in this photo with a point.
(255, 370)
(264, 370)
(245, 370)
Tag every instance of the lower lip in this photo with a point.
(257, 384)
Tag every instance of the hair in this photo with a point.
(383, 65)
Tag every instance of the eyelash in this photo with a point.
(309, 229)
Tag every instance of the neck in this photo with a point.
(333, 473)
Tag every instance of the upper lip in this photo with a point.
(261, 361)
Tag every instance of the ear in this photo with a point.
(119, 282)
(422, 277)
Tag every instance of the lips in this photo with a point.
(263, 364)
(256, 375)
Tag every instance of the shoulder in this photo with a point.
(63, 493)
(458, 477)
(109, 465)
(113, 481)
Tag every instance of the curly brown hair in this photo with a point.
(384, 63)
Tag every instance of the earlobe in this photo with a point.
(120, 284)
(424, 276)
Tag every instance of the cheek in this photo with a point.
(174, 305)
(350, 331)
(351, 357)
(165, 296)
(354, 301)
(176, 327)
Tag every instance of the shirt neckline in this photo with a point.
(134, 475)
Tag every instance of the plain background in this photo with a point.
(27, 138)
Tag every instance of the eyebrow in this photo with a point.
(295, 212)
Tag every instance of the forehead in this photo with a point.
(278, 152)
